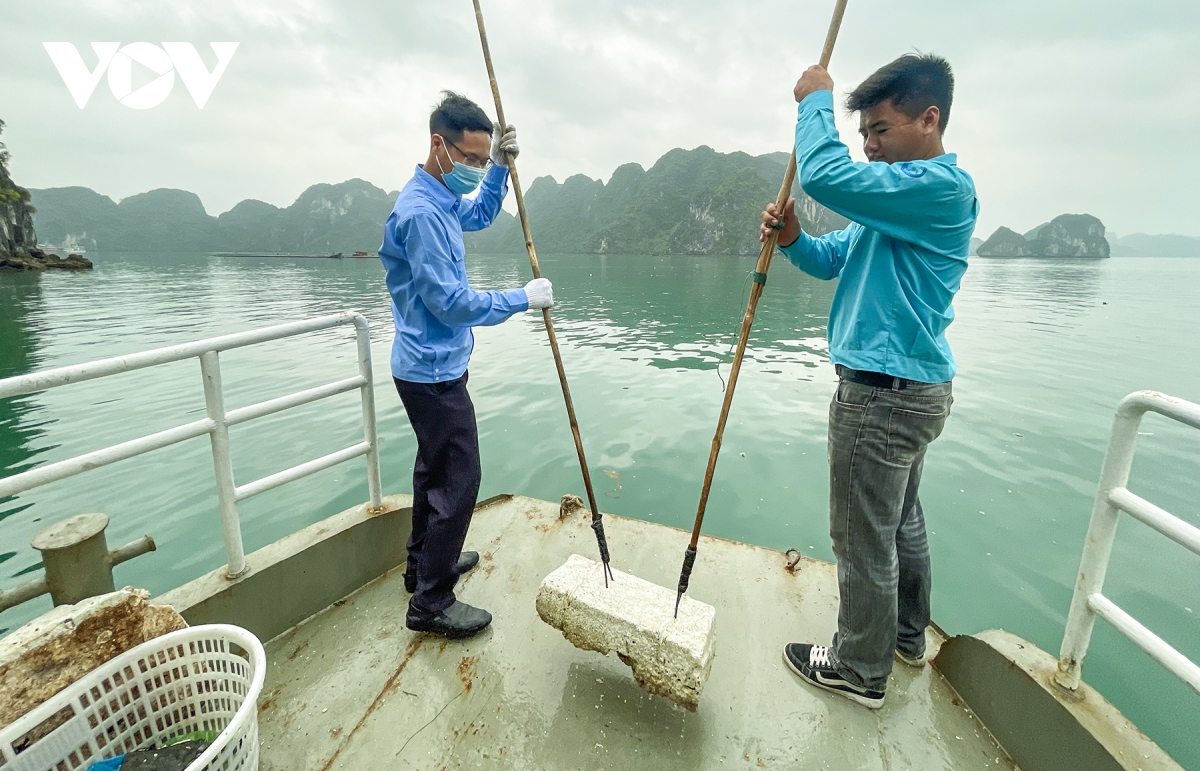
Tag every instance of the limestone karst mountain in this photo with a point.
(1067, 235)
(689, 202)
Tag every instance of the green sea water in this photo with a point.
(1046, 348)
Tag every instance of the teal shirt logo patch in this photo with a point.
(913, 170)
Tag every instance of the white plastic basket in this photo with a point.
(203, 678)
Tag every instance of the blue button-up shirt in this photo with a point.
(433, 306)
(900, 261)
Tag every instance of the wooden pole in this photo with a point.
(760, 280)
(597, 521)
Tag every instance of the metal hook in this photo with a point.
(794, 556)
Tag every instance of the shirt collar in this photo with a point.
(950, 159)
(436, 190)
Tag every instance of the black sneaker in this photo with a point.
(455, 622)
(917, 661)
(812, 663)
(466, 563)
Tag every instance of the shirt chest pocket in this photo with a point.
(458, 253)
(458, 265)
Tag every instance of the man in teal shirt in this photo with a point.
(899, 264)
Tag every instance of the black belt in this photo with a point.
(875, 379)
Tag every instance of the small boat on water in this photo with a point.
(52, 249)
(334, 256)
(348, 686)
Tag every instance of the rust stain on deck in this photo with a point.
(388, 687)
(466, 671)
(292, 656)
(268, 701)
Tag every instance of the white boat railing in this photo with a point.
(1112, 498)
(217, 421)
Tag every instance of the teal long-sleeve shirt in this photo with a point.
(901, 260)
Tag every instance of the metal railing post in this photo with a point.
(214, 402)
(362, 332)
(1097, 548)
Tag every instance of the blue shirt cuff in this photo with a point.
(817, 100)
(518, 298)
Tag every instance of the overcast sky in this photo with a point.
(1061, 105)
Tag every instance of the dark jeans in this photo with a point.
(877, 441)
(446, 479)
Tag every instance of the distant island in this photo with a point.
(1067, 235)
(1157, 245)
(1133, 245)
(324, 220)
(689, 202)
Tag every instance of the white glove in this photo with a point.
(540, 293)
(503, 145)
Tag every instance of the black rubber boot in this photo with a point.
(466, 563)
(455, 622)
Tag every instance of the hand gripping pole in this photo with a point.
(760, 281)
(597, 520)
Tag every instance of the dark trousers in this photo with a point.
(877, 442)
(446, 479)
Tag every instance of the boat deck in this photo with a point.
(351, 688)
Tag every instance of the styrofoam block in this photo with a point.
(669, 656)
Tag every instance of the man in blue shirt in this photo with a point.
(899, 264)
(434, 309)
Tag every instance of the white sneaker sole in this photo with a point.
(914, 663)
(867, 702)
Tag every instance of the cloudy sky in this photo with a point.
(1062, 106)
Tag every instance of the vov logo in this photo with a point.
(118, 60)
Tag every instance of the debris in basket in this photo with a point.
(195, 736)
(175, 757)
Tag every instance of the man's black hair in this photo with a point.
(456, 114)
(913, 83)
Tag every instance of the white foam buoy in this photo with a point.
(669, 656)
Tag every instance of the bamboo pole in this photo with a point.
(597, 521)
(760, 280)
